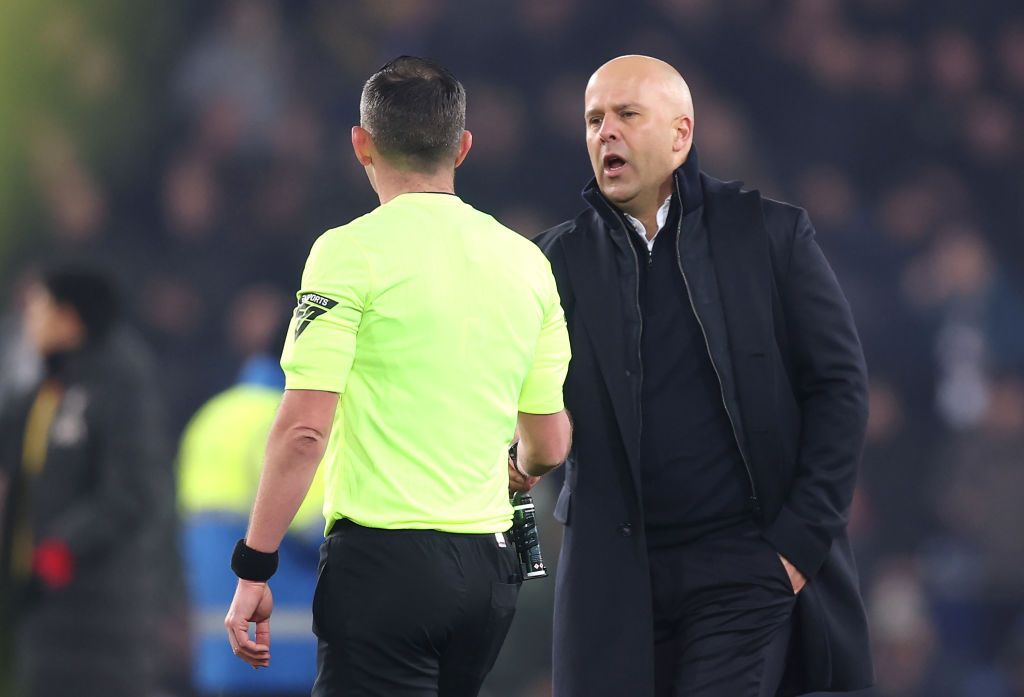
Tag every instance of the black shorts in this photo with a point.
(411, 613)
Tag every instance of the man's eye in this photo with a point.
(628, 114)
(594, 121)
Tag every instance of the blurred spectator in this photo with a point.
(891, 517)
(889, 66)
(235, 80)
(71, 192)
(991, 131)
(220, 461)
(906, 645)
(982, 477)
(191, 198)
(953, 63)
(979, 316)
(1011, 54)
(89, 494)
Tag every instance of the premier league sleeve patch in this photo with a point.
(309, 308)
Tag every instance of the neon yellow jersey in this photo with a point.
(221, 456)
(436, 324)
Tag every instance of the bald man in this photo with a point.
(719, 395)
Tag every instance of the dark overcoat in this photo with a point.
(783, 343)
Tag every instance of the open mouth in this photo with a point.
(613, 164)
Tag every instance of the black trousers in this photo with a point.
(411, 613)
(722, 616)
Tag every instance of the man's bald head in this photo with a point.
(639, 115)
(653, 73)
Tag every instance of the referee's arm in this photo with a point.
(544, 442)
(545, 432)
(295, 447)
(333, 293)
(335, 282)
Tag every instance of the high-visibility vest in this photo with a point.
(220, 460)
(221, 456)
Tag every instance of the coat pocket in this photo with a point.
(815, 648)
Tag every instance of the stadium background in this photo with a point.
(200, 147)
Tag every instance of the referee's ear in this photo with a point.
(465, 143)
(362, 146)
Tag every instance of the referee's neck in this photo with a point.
(391, 183)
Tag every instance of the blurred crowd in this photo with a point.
(198, 148)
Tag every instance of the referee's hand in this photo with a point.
(518, 481)
(253, 602)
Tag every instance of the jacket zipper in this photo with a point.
(639, 345)
(754, 502)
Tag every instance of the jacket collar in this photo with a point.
(687, 182)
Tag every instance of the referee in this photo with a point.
(424, 332)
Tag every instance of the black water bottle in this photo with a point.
(524, 533)
(524, 529)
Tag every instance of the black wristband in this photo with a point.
(253, 565)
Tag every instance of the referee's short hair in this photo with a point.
(415, 111)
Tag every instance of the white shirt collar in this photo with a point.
(660, 217)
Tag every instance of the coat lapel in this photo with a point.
(740, 254)
(739, 250)
(607, 315)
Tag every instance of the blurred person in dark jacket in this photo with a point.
(719, 395)
(88, 493)
(975, 555)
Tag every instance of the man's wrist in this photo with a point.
(520, 470)
(252, 565)
(513, 454)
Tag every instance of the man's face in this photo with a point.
(629, 136)
(49, 325)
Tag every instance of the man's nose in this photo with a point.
(609, 130)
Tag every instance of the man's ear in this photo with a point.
(683, 127)
(465, 143)
(362, 146)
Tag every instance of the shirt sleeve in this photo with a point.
(321, 342)
(542, 389)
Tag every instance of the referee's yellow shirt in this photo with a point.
(436, 324)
